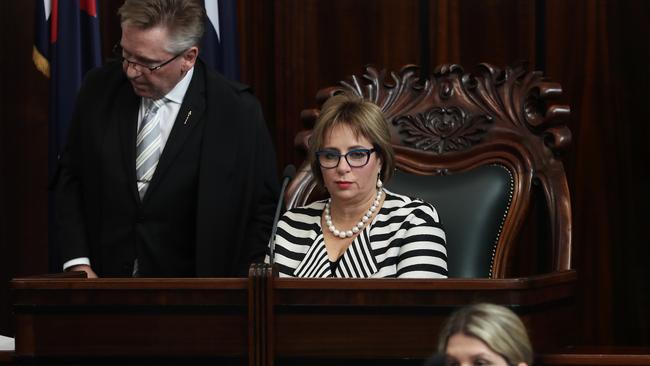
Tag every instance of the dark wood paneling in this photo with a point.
(469, 32)
(598, 51)
(74, 319)
(603, 356)
(23, 146)
(318, 42)
(257, 45)
(628, 37)
(109, 24)
(577, 65)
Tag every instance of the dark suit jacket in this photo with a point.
(209, 207)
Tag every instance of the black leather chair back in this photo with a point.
(472, 206)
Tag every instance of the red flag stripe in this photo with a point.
(54, 21)
(89, 6)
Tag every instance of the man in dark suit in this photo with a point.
(169, 170)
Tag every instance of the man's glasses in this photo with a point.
(356, 158)
(117, 51)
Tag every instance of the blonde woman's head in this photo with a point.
(363, 119)
(495, 327)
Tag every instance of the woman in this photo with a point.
(362, 230)
(485, 334)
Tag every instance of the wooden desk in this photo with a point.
(264, 320)
(381, 320)
(131, 319)
(604, 356)
(6, 357)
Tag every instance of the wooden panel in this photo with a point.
(127, 318)
(256, 54)
(598, 51)
(318, 42)
(109, 25)
(393, 319)
(500, 32)
(142, 332)
(6, 358)
(23, 154)
(565, 57)
(606, 356)
(373, 335)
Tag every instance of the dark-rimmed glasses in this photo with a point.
(117, 51)
(356, 158)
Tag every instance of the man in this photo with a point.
(169, 170)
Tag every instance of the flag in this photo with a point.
(66, 46)
(41, 51)
(220, 41)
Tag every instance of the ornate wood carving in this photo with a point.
(442, 129)
(453, 121)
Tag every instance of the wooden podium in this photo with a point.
(264, 320)
(138, 321)
(312, 322)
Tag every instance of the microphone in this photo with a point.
(287, 175)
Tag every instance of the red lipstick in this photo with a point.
(344, 184)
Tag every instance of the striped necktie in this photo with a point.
(148, 145)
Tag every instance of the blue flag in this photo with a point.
(66, 46)
(220, 42)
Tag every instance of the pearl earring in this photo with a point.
(379, 183)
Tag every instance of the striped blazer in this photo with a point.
(405, 240)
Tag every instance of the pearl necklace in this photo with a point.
(355, 230)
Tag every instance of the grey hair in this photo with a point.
(184, 20)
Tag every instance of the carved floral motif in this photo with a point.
(443, 129)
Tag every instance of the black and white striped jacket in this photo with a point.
(405, 239)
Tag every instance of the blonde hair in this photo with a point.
(184, 20)
(496, 326)
(364, 118)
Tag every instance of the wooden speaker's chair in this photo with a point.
(480, 147)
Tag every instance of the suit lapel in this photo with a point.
(126, 117)
(189, 116)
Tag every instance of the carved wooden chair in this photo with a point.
(483, 148)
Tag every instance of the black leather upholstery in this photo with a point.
(472, 207)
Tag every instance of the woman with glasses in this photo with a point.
(362, 230)
(485, 334)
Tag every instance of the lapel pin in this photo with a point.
(187, 117)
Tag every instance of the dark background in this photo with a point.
(597, 50)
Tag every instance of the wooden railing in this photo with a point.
(265, 320)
